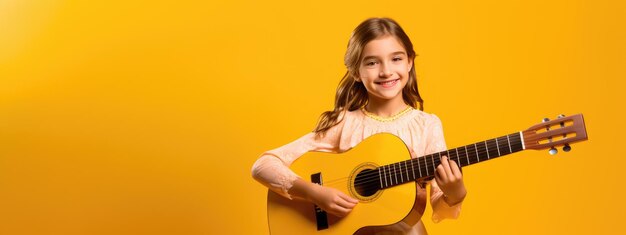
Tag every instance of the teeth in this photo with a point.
(387, 82)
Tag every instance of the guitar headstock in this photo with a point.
(562, 131)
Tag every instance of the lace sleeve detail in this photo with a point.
(441, 210)
(273, 173)
(272, 168)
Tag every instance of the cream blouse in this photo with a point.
(420, 131)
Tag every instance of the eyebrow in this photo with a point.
(394, 53)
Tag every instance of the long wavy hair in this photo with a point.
(352, 95)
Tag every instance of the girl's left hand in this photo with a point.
(450, 181)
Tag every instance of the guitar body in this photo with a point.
(382, 207)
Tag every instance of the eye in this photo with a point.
(370, 63)
(397, 58)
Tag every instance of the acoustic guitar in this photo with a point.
(380, 173)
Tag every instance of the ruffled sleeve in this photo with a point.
(436, 143)
(272, 167)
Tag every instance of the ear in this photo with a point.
(355, 77)
(410, 64)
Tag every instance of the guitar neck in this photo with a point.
(422, 167)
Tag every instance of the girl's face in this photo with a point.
(385, 68)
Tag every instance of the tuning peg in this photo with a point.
(546, 119)
(553, 151)
(567, 148)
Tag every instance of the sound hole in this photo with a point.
(367, 182)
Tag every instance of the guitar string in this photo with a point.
(427, 159)
(393, 173)
(371, 178)
(367, 181)
(432, 157)
(397, 171)
(376, 178)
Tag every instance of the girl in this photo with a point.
(377, 94)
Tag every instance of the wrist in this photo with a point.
(453, 201)
(312, 192)
(304, 190)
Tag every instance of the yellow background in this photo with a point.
(128, 117)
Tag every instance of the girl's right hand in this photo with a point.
(332, 200)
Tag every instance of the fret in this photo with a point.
(428, 171)
(401, 176)
(514, 142)
(381, 173)
(483, 151)
(380, 178)
(517, 142)
(419, 167)
(472, 153)
(498, 147)
(477, 156)
(521, 142)
(426, 165)
(385, 176)
(406, 167)
(509, 142)
(503, 146)
(400, 172)
(487, 150)
(390, 174)
(462, 157)
(413, 168)
(406, 171)
(395, 175)
(432, 159)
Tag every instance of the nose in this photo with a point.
(384, 71)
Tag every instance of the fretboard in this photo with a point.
(421, 167)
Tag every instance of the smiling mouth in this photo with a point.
(387, 84)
